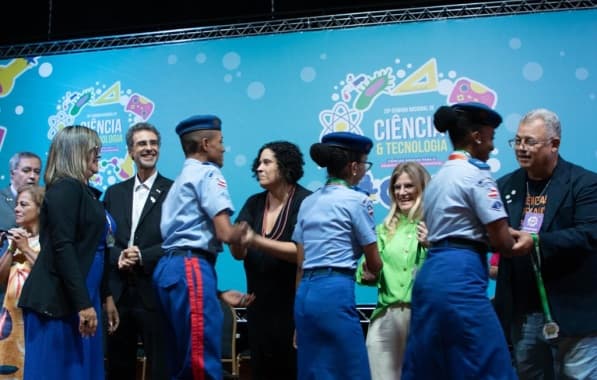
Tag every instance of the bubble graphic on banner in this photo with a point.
(256, 90)
(532, 71)
(227, 78)
(172, 59)
(511, 122)
(45, 70)
(231, 61)
(515, 43)
(19, 110)
(308, 74)
(201, 58)
(581, 73)
(240, 160)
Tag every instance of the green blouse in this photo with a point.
(399, 256)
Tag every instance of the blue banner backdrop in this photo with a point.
(382, 81)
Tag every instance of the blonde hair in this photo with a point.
(420, 178)
(69, 154)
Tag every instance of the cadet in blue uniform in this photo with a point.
(195, 222)
(454, 331)
(334, 227)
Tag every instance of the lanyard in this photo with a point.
(550, 329)
(337, 181)
(459, 155)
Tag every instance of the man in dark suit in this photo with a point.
(557, 201)
(25, 168)
(136, 205)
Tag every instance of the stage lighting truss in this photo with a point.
(338, 21)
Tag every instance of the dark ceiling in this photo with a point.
(39, 20)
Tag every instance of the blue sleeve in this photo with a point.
(213, 194)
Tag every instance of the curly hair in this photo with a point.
(289, 158)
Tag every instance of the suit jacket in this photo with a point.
(568, 247)
(148, 237)
(7, 208)
(71, 223)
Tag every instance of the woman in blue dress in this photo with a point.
(63, 295)
(335, 226)
(454, 332)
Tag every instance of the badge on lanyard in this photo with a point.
(110, 240)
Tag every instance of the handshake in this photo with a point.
(523, 242)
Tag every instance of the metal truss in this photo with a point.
(349, 20)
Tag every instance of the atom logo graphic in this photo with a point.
(340, 119)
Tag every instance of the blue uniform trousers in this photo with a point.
(330, 339)
(186, 289)
(454, 331)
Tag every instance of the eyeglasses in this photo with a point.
(367, 164)
(96, 150)
(528, 142)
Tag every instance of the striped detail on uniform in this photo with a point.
(195, 286)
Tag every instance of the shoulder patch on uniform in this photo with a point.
(497, 205)
(478, 163)
(221, 182)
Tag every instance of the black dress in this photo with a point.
(270, 316)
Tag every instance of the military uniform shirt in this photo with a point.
(196, 197)
(460, 200)
(333, 225)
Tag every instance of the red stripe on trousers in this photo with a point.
(195, 286)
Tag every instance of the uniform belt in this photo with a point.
(328, 270)
(211, 257)
(461, 243)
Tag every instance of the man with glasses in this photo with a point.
(547, 300)
(136, 205)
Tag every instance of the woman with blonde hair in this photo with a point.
(401, 239)
(22, 247)
(62, 297)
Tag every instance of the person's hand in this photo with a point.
(19, 239)
(87, 322)
(422, 233)
(237, 299)
(240, 230)
(367, 277)
(128, 258)
(523, 242)
(111, 314)
(248, 237)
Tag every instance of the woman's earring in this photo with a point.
(479, 142)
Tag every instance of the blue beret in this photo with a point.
(481, 113)
(348, 140)
(199, 122)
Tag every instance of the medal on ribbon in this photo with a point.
(551, 330)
